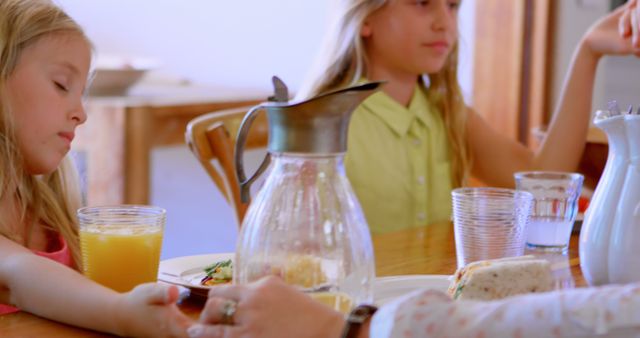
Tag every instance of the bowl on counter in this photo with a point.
(114, 76)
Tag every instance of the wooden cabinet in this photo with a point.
(120, 132)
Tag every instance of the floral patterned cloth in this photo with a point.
(611, 311)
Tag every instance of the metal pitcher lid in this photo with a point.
(318, 125)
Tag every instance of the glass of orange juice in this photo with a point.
(121, 244)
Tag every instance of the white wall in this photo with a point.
(467, 22)
(230, 43)
(616, 76)
(574, 18)
(239, 43)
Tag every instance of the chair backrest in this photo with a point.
(211, 137)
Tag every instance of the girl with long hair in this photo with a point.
(44, 64)
(412, 143)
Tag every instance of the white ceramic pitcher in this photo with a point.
(599, 218)
(624, 245)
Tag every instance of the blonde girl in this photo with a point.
(415, 141)
(44, 64)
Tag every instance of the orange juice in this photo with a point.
(336, 300)
(120, 257)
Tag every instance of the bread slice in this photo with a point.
(500, 278)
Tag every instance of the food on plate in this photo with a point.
(583, 204)
(304, 270)
(218, 273)
(339, 301)
(500, 278)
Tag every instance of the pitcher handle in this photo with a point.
(245, 184)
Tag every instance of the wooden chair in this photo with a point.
(211, 137)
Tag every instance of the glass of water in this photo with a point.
(555, 207)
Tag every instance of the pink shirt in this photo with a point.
(63, 256)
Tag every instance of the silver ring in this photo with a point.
(228, 311)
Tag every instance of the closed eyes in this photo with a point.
(451, 4)
(61, 86)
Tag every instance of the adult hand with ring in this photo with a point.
(228, 311)
(220, 310)
(266, 308)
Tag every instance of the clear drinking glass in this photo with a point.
(555, 207)
(121, 244)
(489, 223)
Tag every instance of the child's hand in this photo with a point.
(616, 33)
(150, 310)
(629, 24)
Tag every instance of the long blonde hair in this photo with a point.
(50, 199)
(343, 62)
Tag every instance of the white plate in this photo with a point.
(188, 271)
(389, 288)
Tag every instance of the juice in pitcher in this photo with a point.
(121, 249)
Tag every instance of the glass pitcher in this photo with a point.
(305, 223)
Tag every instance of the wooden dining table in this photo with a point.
(423, 250)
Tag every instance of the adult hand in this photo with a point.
(616, 33)
(150, 310)
(266, 308)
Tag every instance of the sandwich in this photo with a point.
(501, 278)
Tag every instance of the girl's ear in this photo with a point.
(365, 30)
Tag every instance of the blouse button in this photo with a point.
(422, 216)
